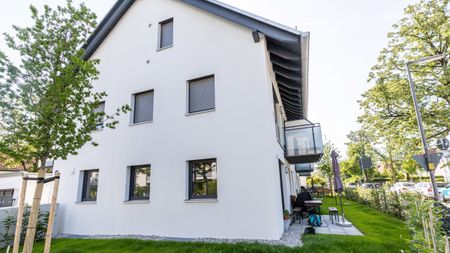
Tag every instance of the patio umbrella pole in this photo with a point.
(344, 223)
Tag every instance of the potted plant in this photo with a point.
(286, 215)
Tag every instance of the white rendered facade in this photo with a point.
(240, 133)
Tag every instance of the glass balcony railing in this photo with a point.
(304, 167)
(303, 142)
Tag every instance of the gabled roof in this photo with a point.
(288, 47)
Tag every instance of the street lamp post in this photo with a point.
(419, 118)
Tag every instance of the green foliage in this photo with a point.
(388, 113)
(47, 102)
(423, 218)
(9, 226)
(325, 165)
(421, 215)
(7, 234)
(381, 199)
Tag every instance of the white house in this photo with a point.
(219, 100)
(11, 185)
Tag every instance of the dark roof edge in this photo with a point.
(289, 37)
(254, 22)
(105, 27)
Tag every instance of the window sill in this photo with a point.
(137, 201)
(200, 112)
(201, 200)
(86, 202)
(140, 123)
(164, 48)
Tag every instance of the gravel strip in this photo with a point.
(291, 238)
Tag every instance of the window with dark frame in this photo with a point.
(166, 33)
(6, 197)
(100, 109)
(201, 94)
(90, 185)
(203, 179)
(140, 182)
(143, 107)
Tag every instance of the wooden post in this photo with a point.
(51, 215)
(447, 246)
(34, 213)
(21, 207)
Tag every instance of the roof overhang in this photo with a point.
(288, 48)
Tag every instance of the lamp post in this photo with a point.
(419, 117)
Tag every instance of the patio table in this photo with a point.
(314, 204)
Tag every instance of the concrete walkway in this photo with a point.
(327, 228)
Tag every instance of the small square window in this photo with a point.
(6, 197)
(100, 111)
(90, 184)
(166, 33)
(202, 94)
(139, 182)
(143, 107)
(203, 179)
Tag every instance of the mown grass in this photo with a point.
(383, 234)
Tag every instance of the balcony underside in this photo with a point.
(295, 159)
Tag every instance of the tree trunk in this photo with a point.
(19, 220)
(51, 215)
(32, 221)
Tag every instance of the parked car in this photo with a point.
(444, 192)
(402, 187)
(351, 185)
(370, 186)
(424, 188)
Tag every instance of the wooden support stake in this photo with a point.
(34, 213)
(19, 220)
(432, 231)
(447, 246)
(51, 215)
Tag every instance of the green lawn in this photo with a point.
(383, 234)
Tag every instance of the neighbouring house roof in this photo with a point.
(288, 48)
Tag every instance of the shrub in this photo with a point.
(9, 224)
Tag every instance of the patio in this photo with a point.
(328, 228)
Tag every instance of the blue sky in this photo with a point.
(346, 37)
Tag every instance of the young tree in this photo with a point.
(325, 164)
(47, 102)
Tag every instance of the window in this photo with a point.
(201, 94)
(166, 33)
(143, 107)
(90, 184)
(203, 179)
(6, 197)
(139, 182)
(100, 110)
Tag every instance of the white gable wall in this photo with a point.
(240, 133)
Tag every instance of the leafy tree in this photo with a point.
(325, 165)
(388, 112)
(47, 103)
(360, 145)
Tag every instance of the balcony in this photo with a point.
(304, 169)
(303, 142)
